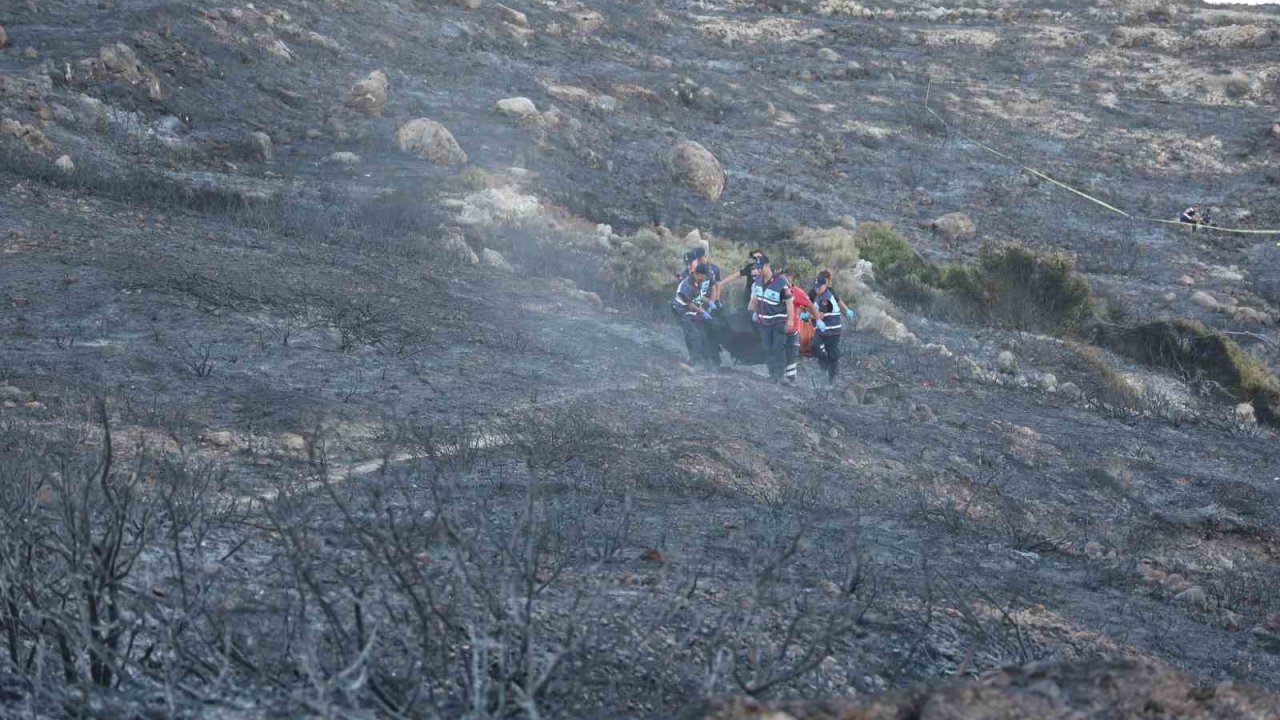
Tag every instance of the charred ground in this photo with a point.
(274, 444)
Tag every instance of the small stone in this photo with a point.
(829, 55)
(33, 405)
(314, 134)
(1007, 362)
(848, 222)
(1231, 620)
(293, 441)
(922, 413)
(1275, 129)
(4, 37)
(1070, 390)
(343, 158)
(219, 438)
(1186, 281)
(258, 146)
(1194, 596)
(1205, 300)
(1049, 382)
(65, 165)
(31, 54)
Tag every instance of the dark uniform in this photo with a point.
(826, 339)
(771, 316)
(689, 306)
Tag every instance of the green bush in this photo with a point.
(1027, 291)
(1195, 351)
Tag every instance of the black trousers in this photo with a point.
(695, 338)
(774, 339)
(826, 348)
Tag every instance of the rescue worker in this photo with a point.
(799, 302)
(689, 305)
(1194, 217)
(829, 312)
(750, 271)
(774, 311)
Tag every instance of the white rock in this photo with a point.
(293, 441)
(1049, 382)
(494, 259)
(1007, 362)
(65, 165)
(343, 158)
(1205, 300)
(220, 438)
(1186, 281)
(1244, 414)
(370, 94)
(519, 107)
(431, 141)
(829, 55)
(498, 206)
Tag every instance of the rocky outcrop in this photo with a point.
(431, 141)
(694, 167)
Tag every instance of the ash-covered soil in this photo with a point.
(300, 419)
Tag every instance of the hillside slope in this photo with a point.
(299, 421)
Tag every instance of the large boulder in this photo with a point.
(694, 167)
(954, 227)
(370, 95)
(430, 140)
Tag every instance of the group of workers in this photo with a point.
(777, 308)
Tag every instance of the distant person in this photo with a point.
(1195, 217)
(690, 306)
(773, 306)
(830, 313)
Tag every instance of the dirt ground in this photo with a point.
(350, 473)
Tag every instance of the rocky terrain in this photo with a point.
(336, 378)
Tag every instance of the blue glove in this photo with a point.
(804, 314)
(851, 314)
(706, 315)
(713, 305)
